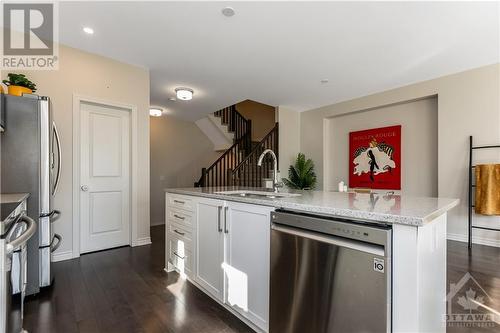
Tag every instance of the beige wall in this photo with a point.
(289, 138)
(101, 78)
(178, 152)
(262, 116)
(468, 104)
(418, 120)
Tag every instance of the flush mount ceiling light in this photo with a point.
(88, 30)
(155, 112)
(184, 94)
(228, 11)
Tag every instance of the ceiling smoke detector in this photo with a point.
(184, 94)
(228, 11)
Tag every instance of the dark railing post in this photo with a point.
(203, 182)
(229, 174)
(232, 125)
(249, 137)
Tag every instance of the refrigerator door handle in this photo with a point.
(55, 246)
(53, 213)
(59, 155)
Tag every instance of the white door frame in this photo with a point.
(77, 101)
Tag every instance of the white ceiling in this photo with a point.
(277, 52)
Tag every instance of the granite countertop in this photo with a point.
(378, 207)
(13, 197)
(9, 202)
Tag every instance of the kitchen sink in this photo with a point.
(264, 194)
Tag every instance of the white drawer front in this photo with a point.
(182, 232)
(181, 217)
(180, 201)
(180, 255)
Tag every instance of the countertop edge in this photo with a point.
(339, 212)
(441, 211)
(13, 197)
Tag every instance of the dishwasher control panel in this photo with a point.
(364, 231)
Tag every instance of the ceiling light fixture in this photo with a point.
(88, 30)
(228, 11)
(184, 94)
(155, 112)
(324, 81)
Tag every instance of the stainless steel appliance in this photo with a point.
(31, 162)
(2, 114)
(329, 275)
(15, 231)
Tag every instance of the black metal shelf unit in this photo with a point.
(471, 188)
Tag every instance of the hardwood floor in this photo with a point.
(484, 266)
(126, 290)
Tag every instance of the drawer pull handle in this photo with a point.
(179, 202)
(219, 228)
(179, 217)
(178, 256)
(226, 230)
(178, 232)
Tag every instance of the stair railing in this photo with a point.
(216, 174)
(236, 123)
(248, 173)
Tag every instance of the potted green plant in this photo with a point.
(301, 175)
(19, 84)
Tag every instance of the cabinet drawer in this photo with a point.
(180, 255)
(182, 232)
(181, 217)
(178, 201)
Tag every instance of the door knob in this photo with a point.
(84, 188)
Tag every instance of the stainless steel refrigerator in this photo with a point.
(31, 162)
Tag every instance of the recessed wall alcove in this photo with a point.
(419, 143)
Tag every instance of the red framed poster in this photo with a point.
(375, 158)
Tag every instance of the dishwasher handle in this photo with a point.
(333, 240)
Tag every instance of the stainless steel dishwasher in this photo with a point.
(329, 275)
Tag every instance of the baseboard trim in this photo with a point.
(154, 224)
(475, 240)
(61, 256)
(141, 241)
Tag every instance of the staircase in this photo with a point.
(237, 166)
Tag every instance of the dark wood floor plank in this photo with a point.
(81, 297)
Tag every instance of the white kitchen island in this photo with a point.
(221, 243)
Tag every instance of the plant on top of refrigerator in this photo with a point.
(19, 80)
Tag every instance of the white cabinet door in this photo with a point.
(209, 246)
(246, 268)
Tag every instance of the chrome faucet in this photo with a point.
(276, 183)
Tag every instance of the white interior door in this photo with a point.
(104, 177)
